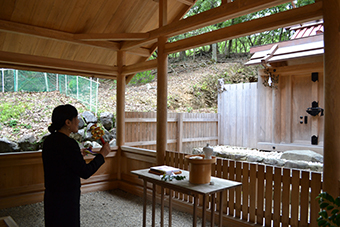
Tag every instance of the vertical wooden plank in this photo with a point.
(315, 120)
(269, 195)
(233, 116)
(167, 158)
(180, 132)
(276, 126)
(238, 190)
(239, 114)
(288, 107)
(221, 117)
(252, 193)
(231, 170)
(219, 167)
(253, 131)
(143, 128)
(228, 118)
(304, 198)
(181, 165)
(277, 196)
(260, 194)
(261, 110)
(285, 197)
(245, 192)
(295, 198)
(314, 205)
(246, 103)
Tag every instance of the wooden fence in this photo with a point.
(269, 196)
(237, 107)
(185, 130)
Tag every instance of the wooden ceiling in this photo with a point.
(82, 37)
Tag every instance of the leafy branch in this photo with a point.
(330, 207)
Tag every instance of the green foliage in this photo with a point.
(28, 126)
(13, 122)
(11, 112)
(142, 78)
(205, 91)
(330, 210)
(242, 44)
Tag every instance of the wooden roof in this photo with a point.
(78, 36)
(82, 37)
(287, 50)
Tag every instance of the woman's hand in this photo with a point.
(83, 152)
(105, 150)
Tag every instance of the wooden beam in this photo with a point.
(279, 20)
(58, 64)
(139, 67)
(187, 2)
(143, 52)
(297, 69)
(111, 36)
(213, 16)
(13, 27)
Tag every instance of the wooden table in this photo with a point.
(184, 186)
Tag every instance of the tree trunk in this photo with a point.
(230, 42)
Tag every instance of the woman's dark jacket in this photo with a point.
(63, 167)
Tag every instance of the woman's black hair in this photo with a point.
(60, 114)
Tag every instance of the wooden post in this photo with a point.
(162, 87)
(331, 169)
(120, 123)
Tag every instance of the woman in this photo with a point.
(63, 166)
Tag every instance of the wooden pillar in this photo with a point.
(162, 87)
(120, 112)
(331, 169)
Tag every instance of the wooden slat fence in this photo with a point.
(270, 196)
(185, 130)
(237, 107)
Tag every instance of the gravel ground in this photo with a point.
(100, 209)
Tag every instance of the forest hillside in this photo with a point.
(192, 87)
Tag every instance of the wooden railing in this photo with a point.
(22, 177)
(184, 130)
(269, 196)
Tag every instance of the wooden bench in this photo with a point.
(7, 222)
